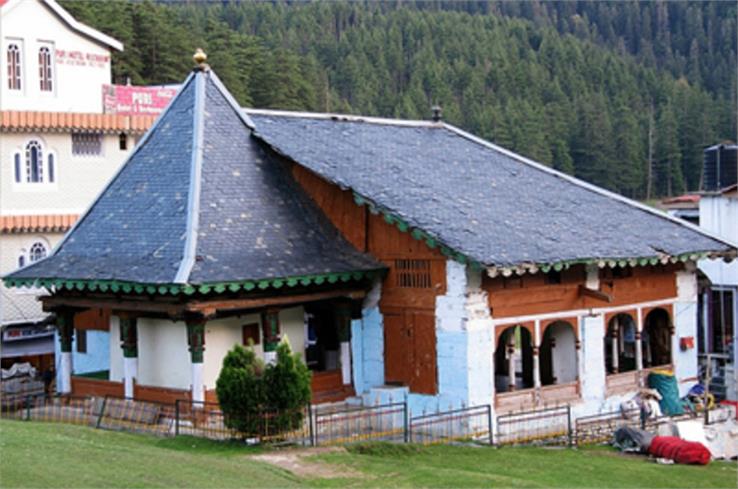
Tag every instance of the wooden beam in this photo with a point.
(595, 294)
(54, 302)
(202, 307)
(210, 308)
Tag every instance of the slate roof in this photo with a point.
(487, 203)
(201, 201)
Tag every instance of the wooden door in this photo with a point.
(410, 350)
(395, 348)
(423, 332)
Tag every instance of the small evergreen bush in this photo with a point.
(287, 387)
(259, 400)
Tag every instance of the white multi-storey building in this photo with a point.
(57, 151)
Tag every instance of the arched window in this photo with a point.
(45, 69)
(14, 67)
(34, 162)
(620, 344)
(22, 259)
(656, 338)
(38, 251)
(558, 354)
(17, 167)
(50, 167)
(514, 360)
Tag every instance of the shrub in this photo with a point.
(259, 400)
(240, 390)
(287, 386)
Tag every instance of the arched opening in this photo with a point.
(34, 162)
(559, 354)
(620, 344)
(514, 360)
(38, 252)
(656, 339)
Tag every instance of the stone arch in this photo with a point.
(514, 352)
(656, 338)
(620, 344)
(558, 360)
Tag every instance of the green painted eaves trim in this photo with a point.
(189, 289)
(433, 243)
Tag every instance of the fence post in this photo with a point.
(568, 425)
(176, 417)
(406, 422)
(102, 412)
(310, 424)
(28, 408)
(489, 424)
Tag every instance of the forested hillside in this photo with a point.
(581, 86)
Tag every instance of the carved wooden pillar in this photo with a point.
(511, 362)
(65, 328)
(271, 333)
(615, 346)
(343, 327)
(129, 343)
(196, 342)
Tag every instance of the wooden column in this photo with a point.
(343, 326)
(196, 342)
(511, 362)
(271, 333)
(639, 346)
(615, 347)
(128, 325)
(65, 328)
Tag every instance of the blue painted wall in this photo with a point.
(97, 357)
(367, 350)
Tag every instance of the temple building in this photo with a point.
(401, 259)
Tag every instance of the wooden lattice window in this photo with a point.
(414, 274)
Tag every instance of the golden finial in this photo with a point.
(200, 57)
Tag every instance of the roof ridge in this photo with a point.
(586, 185)
(343, 117)
(231, 101)
(193, 197)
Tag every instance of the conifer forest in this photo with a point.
(623, 94)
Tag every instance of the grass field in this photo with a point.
(57, 455)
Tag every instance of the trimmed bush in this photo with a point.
(259, 400)
(240, 390)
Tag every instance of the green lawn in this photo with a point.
(58, 455)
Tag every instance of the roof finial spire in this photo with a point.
(200, 57)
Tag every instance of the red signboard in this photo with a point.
(132, 100)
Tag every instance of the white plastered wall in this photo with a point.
(163, 353)
(80, 68)
(78, 179)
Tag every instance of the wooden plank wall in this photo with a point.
(531, 294)
(410, 341)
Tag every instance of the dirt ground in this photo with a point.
(302, 463)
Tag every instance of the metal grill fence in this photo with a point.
(330, 425)
(384, 422)
(206, 420)
(466, 424)
(549, 426)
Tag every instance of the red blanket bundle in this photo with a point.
(680, 451)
